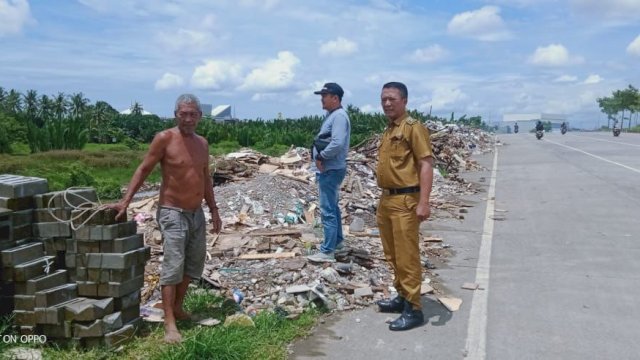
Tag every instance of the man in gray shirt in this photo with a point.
(329, 153)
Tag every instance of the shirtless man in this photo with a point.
(184, 161)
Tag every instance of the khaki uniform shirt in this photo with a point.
(403, 144)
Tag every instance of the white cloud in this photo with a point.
(634, 47)
(566, 78)
(169, 81)
(275, 74)
(443, 98)
(484, 24)
(264, 4)
(216, 75)
(14, 15)
(338, 47)
(370, 109)
(592, 79)
(553, 55)
(185, 39)
(610, 9)
(429, 54)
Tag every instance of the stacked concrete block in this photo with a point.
(66, 270)
(16, 194)
(108, 259)
(35, 281)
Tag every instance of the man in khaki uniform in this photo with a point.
(405, 174)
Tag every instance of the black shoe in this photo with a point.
(395, 305)
(408, 320)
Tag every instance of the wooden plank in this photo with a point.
(281, 255)
(297, 233)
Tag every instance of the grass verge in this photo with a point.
(268, 340)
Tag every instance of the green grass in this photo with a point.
(268, 340)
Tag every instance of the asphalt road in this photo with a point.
(560, 268)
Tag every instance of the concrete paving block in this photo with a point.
(6, 232)
(22, 232)
(130, 314)
(106, 246)
(43, 282)
(126, 274)
(14, 186)
(87, 288)
(89, 309)
(51, 229)
(92, 329)
(127, 301)
(82, 274)
(24, 318)
(117, 290)
(21, 254)
(86, 247)
(22, 217)
(24, 302)
(17, 204)
(6, 215)
(34, 268)
(56, 295)
(92, 217)
(44, 215)
(64, 199)
(120, 336)
(116, 261)
(126, 244)
(7, 244)
(112, 322)
(28, 330)
(105, 232)
(63, 330)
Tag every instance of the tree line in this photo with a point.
(622, 105)
(69, 121)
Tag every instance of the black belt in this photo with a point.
(407, 190)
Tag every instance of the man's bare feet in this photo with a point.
(172, 335)
(181, 314)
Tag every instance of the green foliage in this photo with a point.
(131, 143)
(108, 190)
(618, 104)
(5, 144)
(79, 176)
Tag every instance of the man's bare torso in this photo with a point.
(184, 167)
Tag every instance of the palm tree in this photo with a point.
(101, 114)
(60, 105)
(13, 103)
(78, 104)
(46, 108)
(31, 103)
(136, 108)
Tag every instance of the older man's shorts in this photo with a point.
(184, 243)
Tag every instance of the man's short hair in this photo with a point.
(188, 99)
(404, 93)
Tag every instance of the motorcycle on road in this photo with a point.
(539, 134)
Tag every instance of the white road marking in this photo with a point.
(614, 142)
(476, 345)
(596, 156)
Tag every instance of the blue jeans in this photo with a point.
(329, 193)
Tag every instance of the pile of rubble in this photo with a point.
(269, 208)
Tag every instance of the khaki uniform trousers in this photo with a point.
(399, 226)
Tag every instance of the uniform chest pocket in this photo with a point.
(399, 148)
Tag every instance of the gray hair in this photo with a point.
(188, 99)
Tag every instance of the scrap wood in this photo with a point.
(281, 255)
(295, 233)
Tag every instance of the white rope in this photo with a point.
(86, 206)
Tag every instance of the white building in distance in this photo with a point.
(222, 113)
(527, 122)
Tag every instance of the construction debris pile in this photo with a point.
(269, 209)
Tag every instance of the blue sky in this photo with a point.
(266, 57)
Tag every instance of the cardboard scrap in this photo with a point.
(425, 288)
(452, 304)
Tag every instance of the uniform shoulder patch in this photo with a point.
(411, 121)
